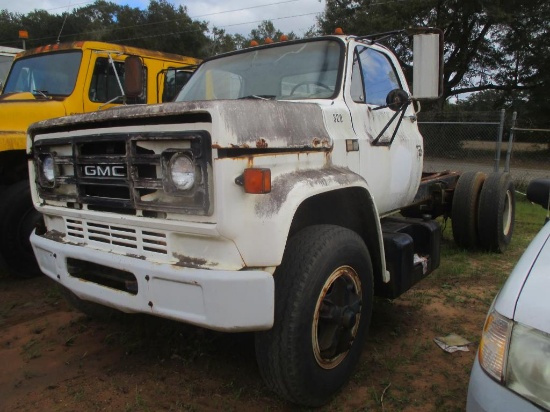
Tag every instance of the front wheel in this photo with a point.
(18, 218)
(323, 306)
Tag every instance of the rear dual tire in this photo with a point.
(483, 211)
(497, 209)
(465, 209)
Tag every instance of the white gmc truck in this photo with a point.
(279, 193)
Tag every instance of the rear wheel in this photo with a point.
(496, 214)
(323, 305)
(465, 209)
(18, 218)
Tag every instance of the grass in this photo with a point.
(454, 299)
(459, 265)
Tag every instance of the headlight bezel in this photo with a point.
(493, 348)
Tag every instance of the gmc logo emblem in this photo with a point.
(106, 170)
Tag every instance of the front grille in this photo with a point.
(125, 173)
(135, 240)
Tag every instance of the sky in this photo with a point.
(235, 16)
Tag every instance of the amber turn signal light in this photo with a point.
(257, 181)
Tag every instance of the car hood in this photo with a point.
(524, 296)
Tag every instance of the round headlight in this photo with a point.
(182, 171)
(48, 169)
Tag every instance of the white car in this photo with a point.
(511, 371)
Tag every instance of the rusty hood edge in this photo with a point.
(235, 123)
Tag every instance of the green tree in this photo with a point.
(161, 27)
(489, 44)
(10, 24)
(266, 29)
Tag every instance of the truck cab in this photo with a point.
(59, 80)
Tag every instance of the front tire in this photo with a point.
(18, 218)
(323, 306)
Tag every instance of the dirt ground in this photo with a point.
(56, 359)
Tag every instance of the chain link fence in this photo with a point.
(463, 141)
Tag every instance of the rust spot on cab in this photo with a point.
(190, 262)
(317, 142)
(261, 144)
(55, 235)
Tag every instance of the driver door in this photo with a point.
(391, 165)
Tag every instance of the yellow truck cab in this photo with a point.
(59, 80)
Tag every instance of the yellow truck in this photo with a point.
(59, 80)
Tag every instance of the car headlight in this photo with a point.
(47, 169)
(517, 356)
(528, 368)
(182, 171)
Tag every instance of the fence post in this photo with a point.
(499, 140)
(510, 141)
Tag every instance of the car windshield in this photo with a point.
(45, 74)
(304, 70)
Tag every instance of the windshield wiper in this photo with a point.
(43, 93)
(259, 97)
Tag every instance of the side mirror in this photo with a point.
(396, 99)
(428, 64)
(538, 191)
(133, 77)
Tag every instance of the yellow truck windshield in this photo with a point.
(45, 74)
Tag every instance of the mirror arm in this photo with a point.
(401, 114)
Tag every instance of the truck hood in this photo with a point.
(235, 123)
(524, 297)
(18, 111)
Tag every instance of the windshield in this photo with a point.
(306, 70)
(46, 74)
